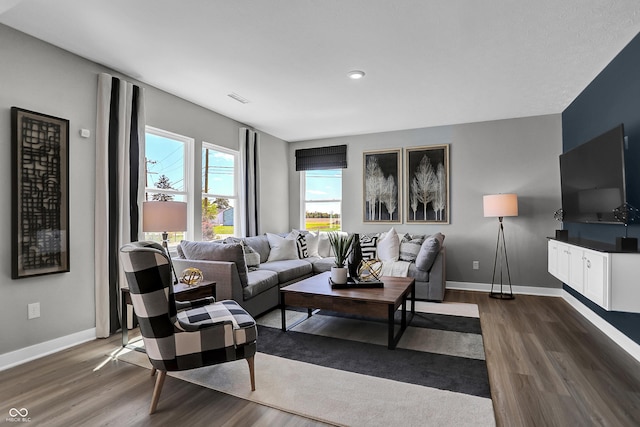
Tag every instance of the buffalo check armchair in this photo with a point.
(182, 335)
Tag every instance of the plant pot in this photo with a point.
(339, 275)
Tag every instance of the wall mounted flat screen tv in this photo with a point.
(592, 179)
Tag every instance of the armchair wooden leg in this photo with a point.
(252, 373)
(156, 391)
(153, 371)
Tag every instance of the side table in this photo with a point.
(181, 292)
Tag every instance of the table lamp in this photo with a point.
(500, 205)
(164, 217)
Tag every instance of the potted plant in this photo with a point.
(341, 245)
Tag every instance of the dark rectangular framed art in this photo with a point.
(427, 184)
(40, 194)
(382, 182)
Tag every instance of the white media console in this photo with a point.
(608, 278)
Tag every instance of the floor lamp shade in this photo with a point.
(500, 205)
(164, 216)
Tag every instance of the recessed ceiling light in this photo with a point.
(356, 74)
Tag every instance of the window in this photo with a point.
(167, 160)
(322, 201)
(219, 192)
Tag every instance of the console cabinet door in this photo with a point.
(576, 268)
(552, 254)
(563, 263)
(595, 276)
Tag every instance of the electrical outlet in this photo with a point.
(476, 265)
(34, 310)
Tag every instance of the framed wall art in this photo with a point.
(382, 181)
(427, 184)
(40, 194)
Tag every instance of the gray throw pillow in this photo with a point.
(429, 251)
(259, 244)
(209, 251)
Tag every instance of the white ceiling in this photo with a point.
(428, 63)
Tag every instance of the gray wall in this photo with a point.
(517, 155)
(43, 78)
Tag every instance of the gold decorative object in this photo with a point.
(191, 276)
(370, 270)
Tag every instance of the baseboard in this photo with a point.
(522, 290)
(23, 355)
(616, 336)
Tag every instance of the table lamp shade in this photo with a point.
(164, 216)
(500, 205)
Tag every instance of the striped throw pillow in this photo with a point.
(368, 246)
(410, 247)
(301, 243)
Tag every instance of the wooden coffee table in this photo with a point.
(316, 293)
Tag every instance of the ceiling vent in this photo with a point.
(238, 98)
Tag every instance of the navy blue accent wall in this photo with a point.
(612, 98)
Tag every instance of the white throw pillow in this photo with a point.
(312, 243)
(281, 248)
(324, 246)
(389, 246)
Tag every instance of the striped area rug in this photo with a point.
(337, 369)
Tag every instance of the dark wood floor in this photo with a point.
(547, 365)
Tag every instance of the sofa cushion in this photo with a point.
(389, 246)
(288, 269)
(259, 244)
(410, 247)
(210, 251)
(429, 251)
(259, 281)
(416, 273)
(320, 265)
(281, 248)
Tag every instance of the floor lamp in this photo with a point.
(164, 217)
(501, 205)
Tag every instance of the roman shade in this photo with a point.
(333, 157)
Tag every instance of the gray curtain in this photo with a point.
(120, 130)
(249, 185)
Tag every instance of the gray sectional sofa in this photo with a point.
(253, 269)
